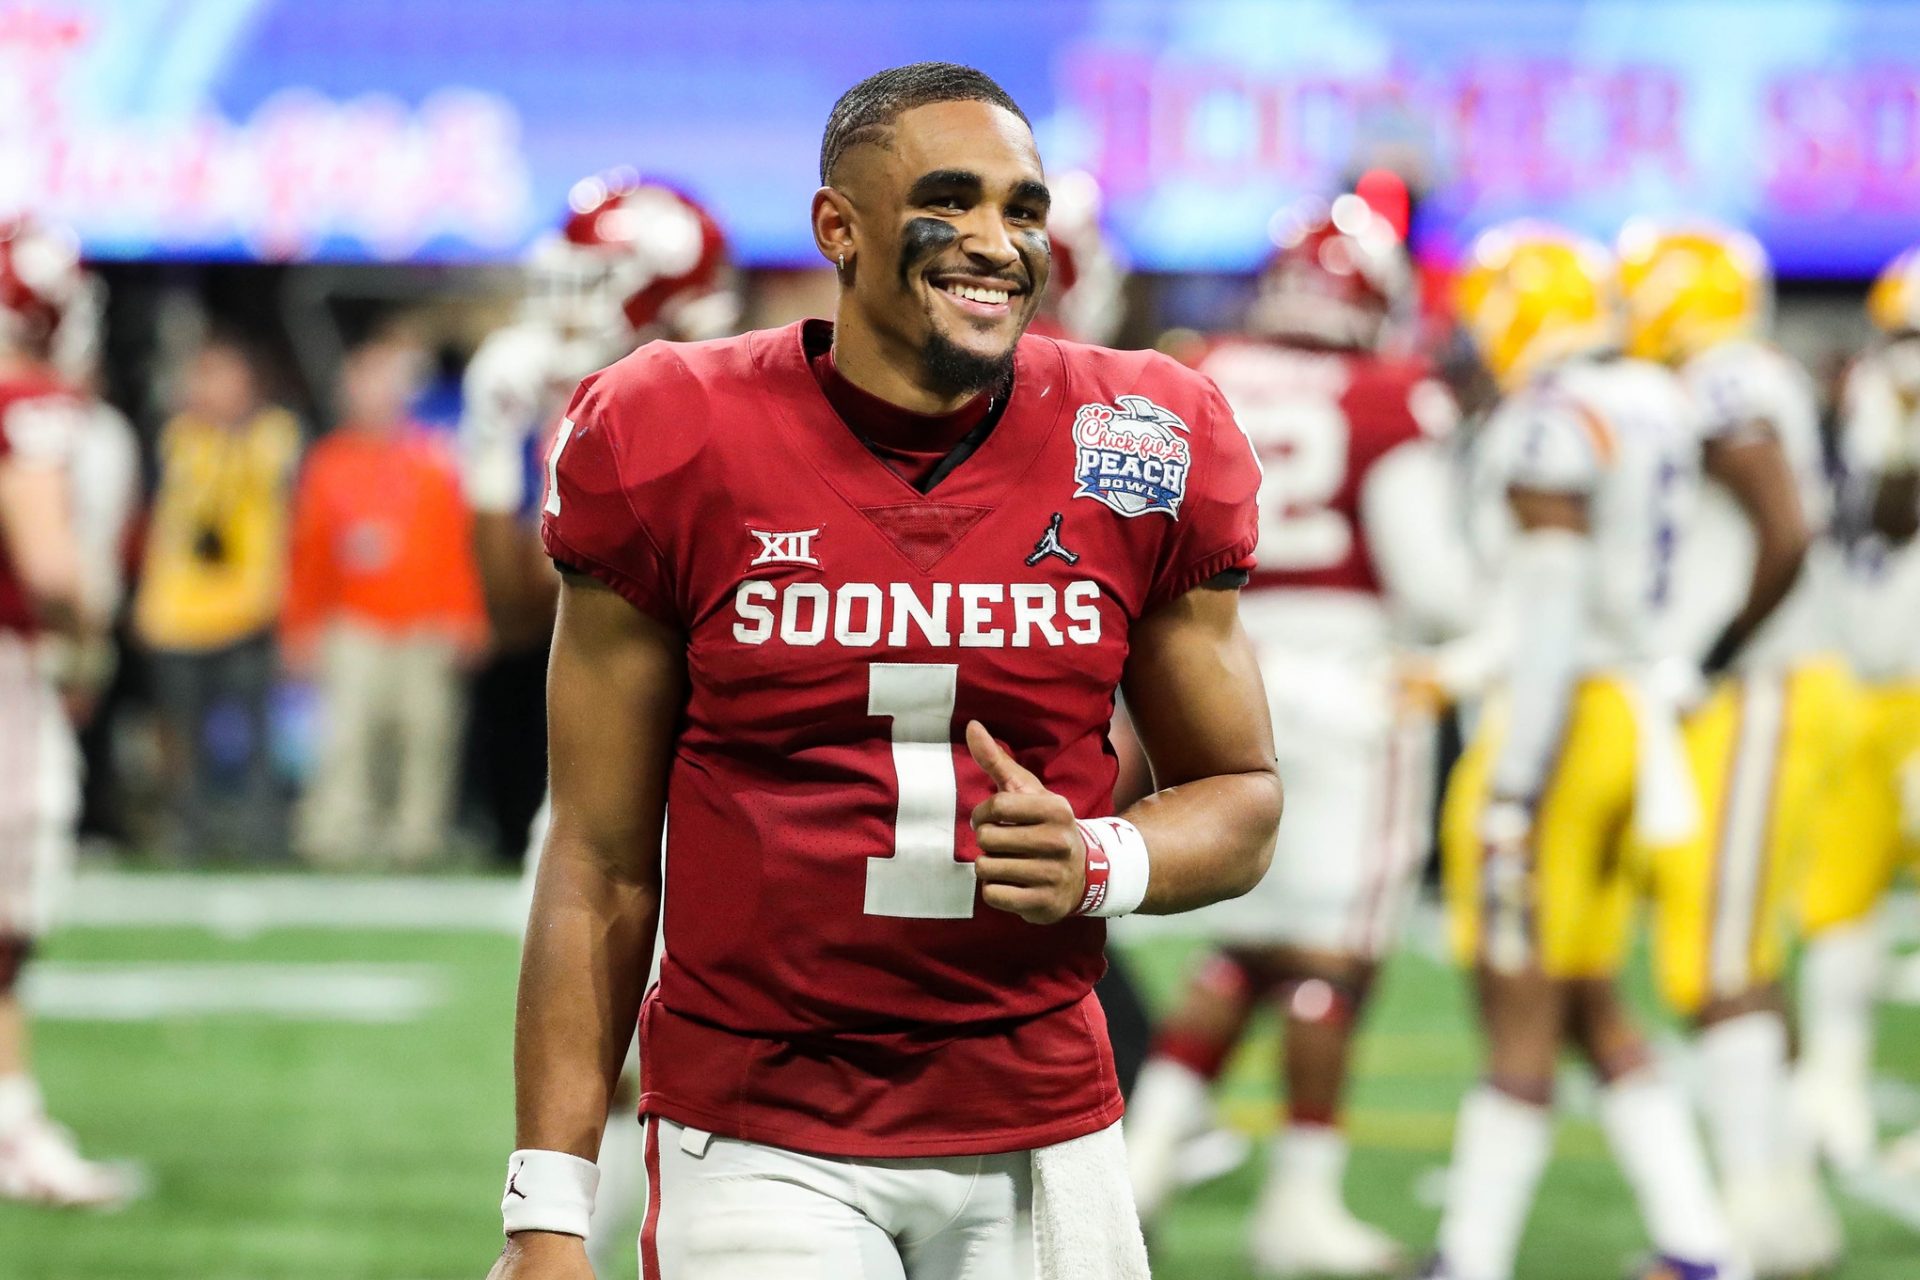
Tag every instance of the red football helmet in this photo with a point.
(1084, 298)
(41, 283)
(634, 257)
(1338, 276)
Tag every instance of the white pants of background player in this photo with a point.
(721, 1209)
(39, 792)
(1359, 778)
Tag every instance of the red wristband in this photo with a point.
(1099, 869)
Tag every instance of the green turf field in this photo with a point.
(353, 1121)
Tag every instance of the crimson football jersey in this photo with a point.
(1320, 421)
(831, 981)
(39, 424)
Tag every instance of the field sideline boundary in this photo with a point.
(229, 903)
(239, 905)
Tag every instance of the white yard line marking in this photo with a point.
(239, 906)
(1902, 914)
(1898, 1198)
(150, 992)
(1896, 1103)
(245, 904)
(1903, 981)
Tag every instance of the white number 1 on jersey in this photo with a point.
(922, 880)
(560, 438)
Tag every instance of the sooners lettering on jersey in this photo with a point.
(1320, 420)
(831, 982)
(39, 424)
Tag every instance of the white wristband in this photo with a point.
(1116, 867)
(549, 1191)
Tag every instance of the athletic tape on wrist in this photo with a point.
(549, 1191)
(1116, 867)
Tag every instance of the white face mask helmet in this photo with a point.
(42, 286)
(1339, 276)
(634, 259)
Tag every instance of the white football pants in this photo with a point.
(39, 792)
(722, 1209)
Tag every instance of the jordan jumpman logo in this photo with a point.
(511, 1189)
(1049, 545)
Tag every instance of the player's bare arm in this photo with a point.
(36, 530)
(1549, 564)
(614, 692)
(1194, 691)
(517, 580)
(1754, 468)
(1193, 687)
(1895, 512)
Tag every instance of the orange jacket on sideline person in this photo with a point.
(381, 535)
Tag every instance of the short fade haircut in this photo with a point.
(865, 111)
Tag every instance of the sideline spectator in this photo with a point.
(385, 612)
(209, 594)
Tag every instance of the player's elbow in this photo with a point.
(1786, 556)
(52, 584)
(1266, 799)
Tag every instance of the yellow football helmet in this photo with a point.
(1893, 304)
(1691, 286)
(1532, 293)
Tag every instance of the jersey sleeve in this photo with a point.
(1554, 443)
(39, 430)
(1432, 408)
(1410, 505)
(498, 412)
(588, 522)
(1219, 521)
(1731, 401)
(1878, 432)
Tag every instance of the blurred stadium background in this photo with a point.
(311, 1063)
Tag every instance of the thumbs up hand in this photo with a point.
(1032, 860)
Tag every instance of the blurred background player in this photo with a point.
(383, 611)
(1751, 597)
(107, 500)
(1585, 476)
(1361, 551)
(51, 621)
(634, 259)
(1875, 817)
(1087, 295)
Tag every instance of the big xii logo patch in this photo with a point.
(794, 546)
(1131, 455)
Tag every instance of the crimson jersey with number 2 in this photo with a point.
(831, 981)
(1320, 420)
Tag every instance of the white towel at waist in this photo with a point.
(1084, 1223)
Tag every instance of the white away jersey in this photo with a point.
(1880, 584)
(515, 387)
(106, 495)
(1625, 435)
(1358, 519)
(1744, 388)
